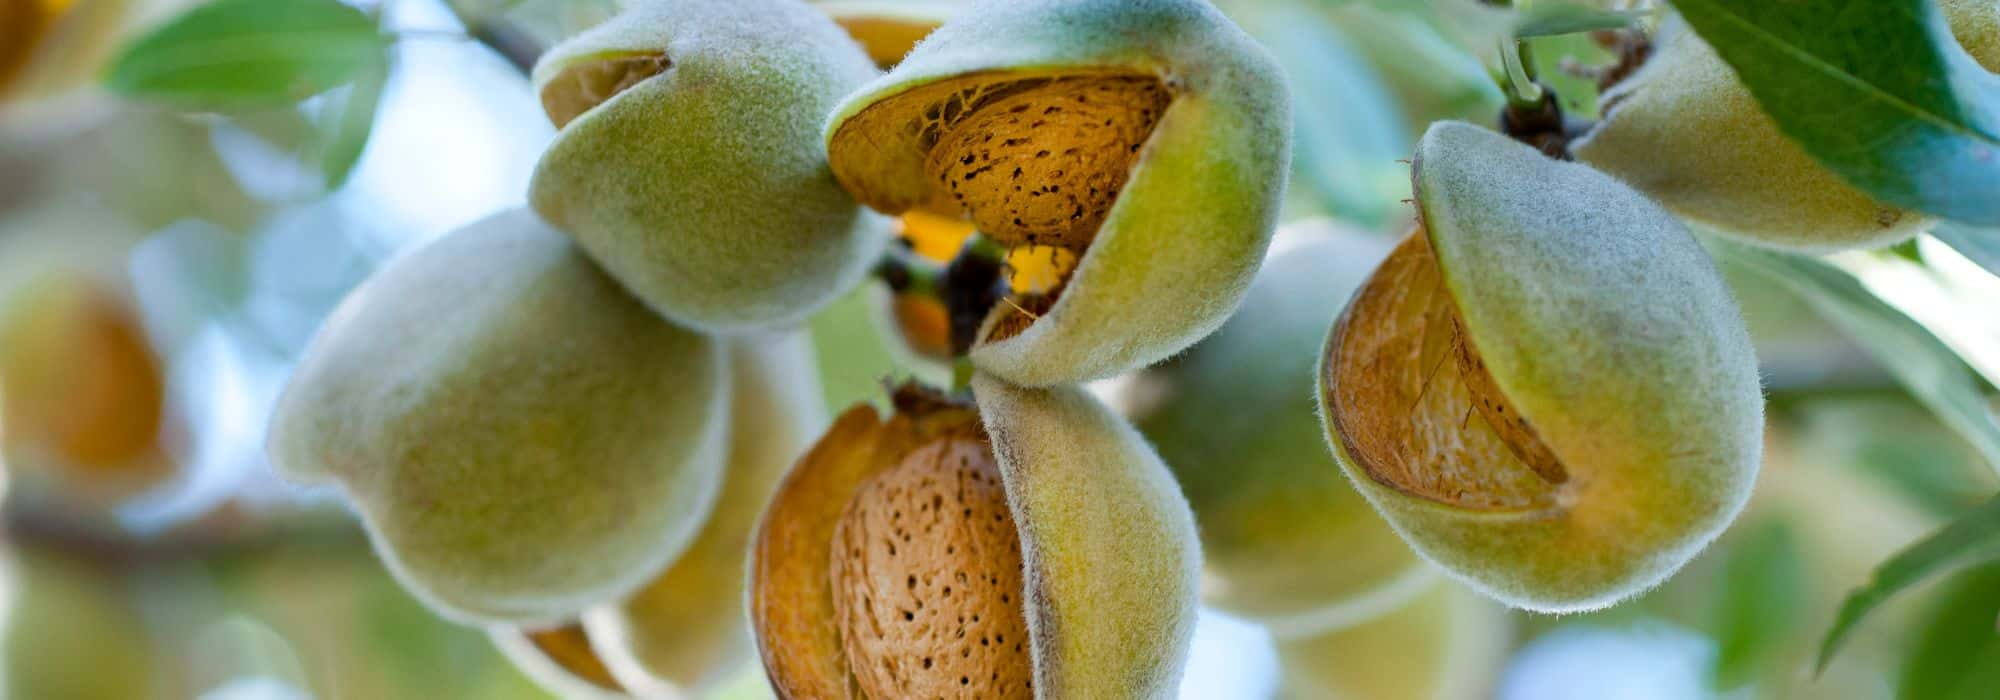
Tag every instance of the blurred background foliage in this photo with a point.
(169, 239)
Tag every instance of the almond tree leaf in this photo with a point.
(1876, 90)
(236, 54)
(1922, 363)
(1957, 652)
(1971, 539)
(346, 125)
(1763, 579)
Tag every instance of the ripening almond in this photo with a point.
(1547, 388)
(687, 160)
(1029, 546)
(521, 438)
(1148, 139)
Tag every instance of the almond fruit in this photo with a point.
(1547, 388)
(1149, 139)
(1031, 546)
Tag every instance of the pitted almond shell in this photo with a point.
(559, 659)
(688, 163)
(1152, 135)
(1686, 132)
(1448, 643)
(1286, 539)
(791, 596)
(686, 631)
(521, 438)
(1108, 557)
(926, 576)
(1547, 389)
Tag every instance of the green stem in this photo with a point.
(1517, 75)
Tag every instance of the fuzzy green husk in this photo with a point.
(1112, 560)
(1606, 325)
(521, 438)
(704, 189)
(688, 630)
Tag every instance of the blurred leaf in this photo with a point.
(1877, 91)
(1980, 246)
(853, 349)
(1349, 134)
(346, 124)
(1553, 18)
(1957, 653)
(233, 54)
(1924, 365)
(1763, 591)
(1972, 538)
(1432, 73)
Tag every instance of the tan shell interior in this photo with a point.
(1415, 405)
(926, 574)
(792, 588)
(569, 647)
(583, 85)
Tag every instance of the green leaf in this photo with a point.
(1553, 18)
(1876, 90)
(1971, 539)
(1957, 653)
(1924, 365)
(235, 54)
(1979, 246)
(346, 123)
(1763, 584)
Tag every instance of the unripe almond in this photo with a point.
(521, 438)
(1547, 389)
(1686, 132)
(1286, 539)
(1149, 138)
(1031, 548)
(688, 162)
(686, 631)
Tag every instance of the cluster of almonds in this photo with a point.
(582, 424)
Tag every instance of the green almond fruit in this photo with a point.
(1032, 546)
(1449, 643)
(1684, 131)
(687, 631)
(1547, 389)
(521, 438)
(1151, 137)
(1285, 538)
(688, 161)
